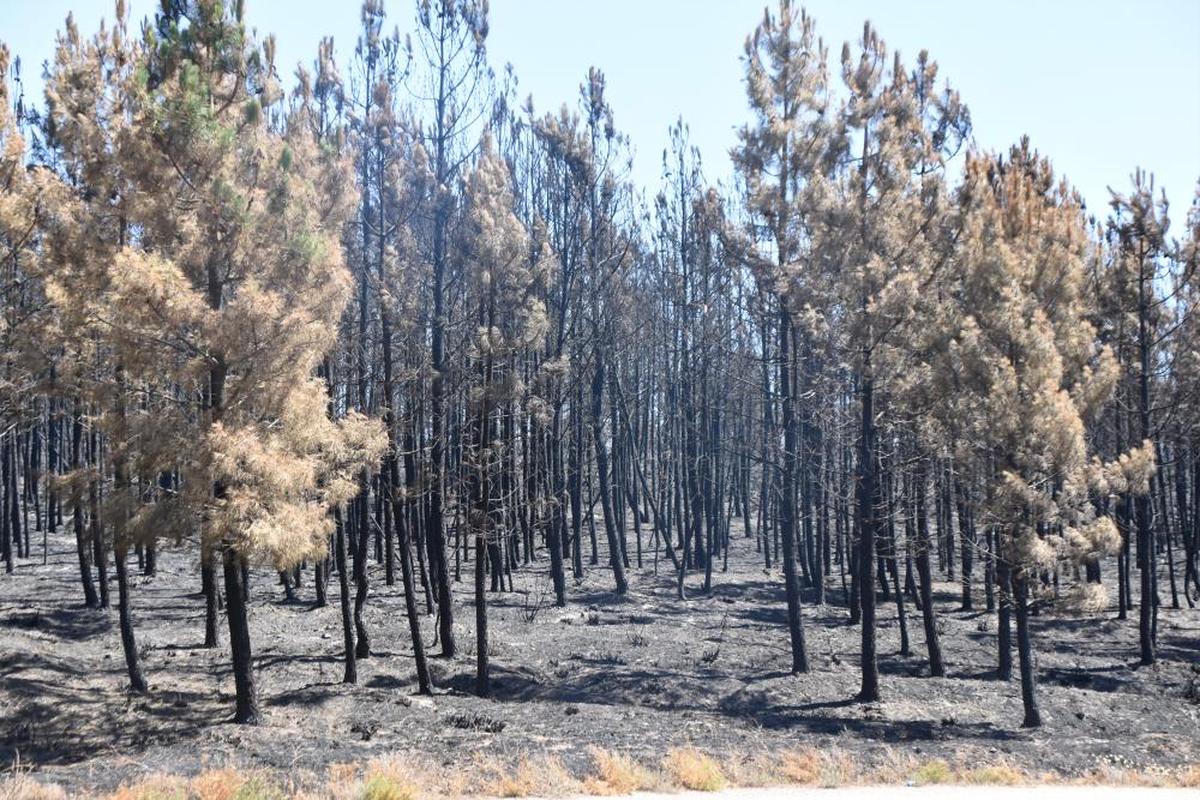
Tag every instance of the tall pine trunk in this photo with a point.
(1033, 717)
(925, 578)
(615, 559)
(787, 505)
(247, 711)
(137, 682)
(869, 691)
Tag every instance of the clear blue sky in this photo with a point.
(1100, 86)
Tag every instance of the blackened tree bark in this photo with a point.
(600, 448)
(787, 502)
(247, 711)
(1033, 717)
(925, 578)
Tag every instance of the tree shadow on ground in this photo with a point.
(59, 722)
(665, 689)
(68, 623)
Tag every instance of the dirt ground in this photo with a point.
(638, 674)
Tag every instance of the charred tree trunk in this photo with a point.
(787, 505)
(247, 711)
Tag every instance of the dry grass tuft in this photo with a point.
(155, 787)
(384, 787)
(691, 769)
(617, 773)
(999, 774)
(392, 779)
(931, 772)
(396, 778)
(839, 769)
(1109, 775)
(18, 785)
(217, 784)
(802, 767)
(260, 787)
(544, 775)
(894, 766)
(751, 769)
(829, 768)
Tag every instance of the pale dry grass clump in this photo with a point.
(154, 787)
(216, 784)
(541, 775)
(382, 787)
(401, 777)
(933, 772)
(897, 766)
(802, 767)
(751, 769)
(1001, 773)
(17, 785)
(811, 766)
(617, 773)
(1109, 775)
(832, 767)
(691, 769)
(839, 769)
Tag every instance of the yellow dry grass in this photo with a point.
(616, 773)
(691, 769)
(528, 777)
(19, 786)
(611, 773)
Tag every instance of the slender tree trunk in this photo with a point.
(350, 671)
(1143, 510)
(601, 449)
(1033, 717)
(81, 545)
(1004, 617)
(362, 541)
(137, 682)
(212, 595)
(928, 612)
(787, 503)
(869, 693)
(247, 711)
(557, 524)
(96, 528)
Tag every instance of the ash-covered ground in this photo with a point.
(640, 673)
